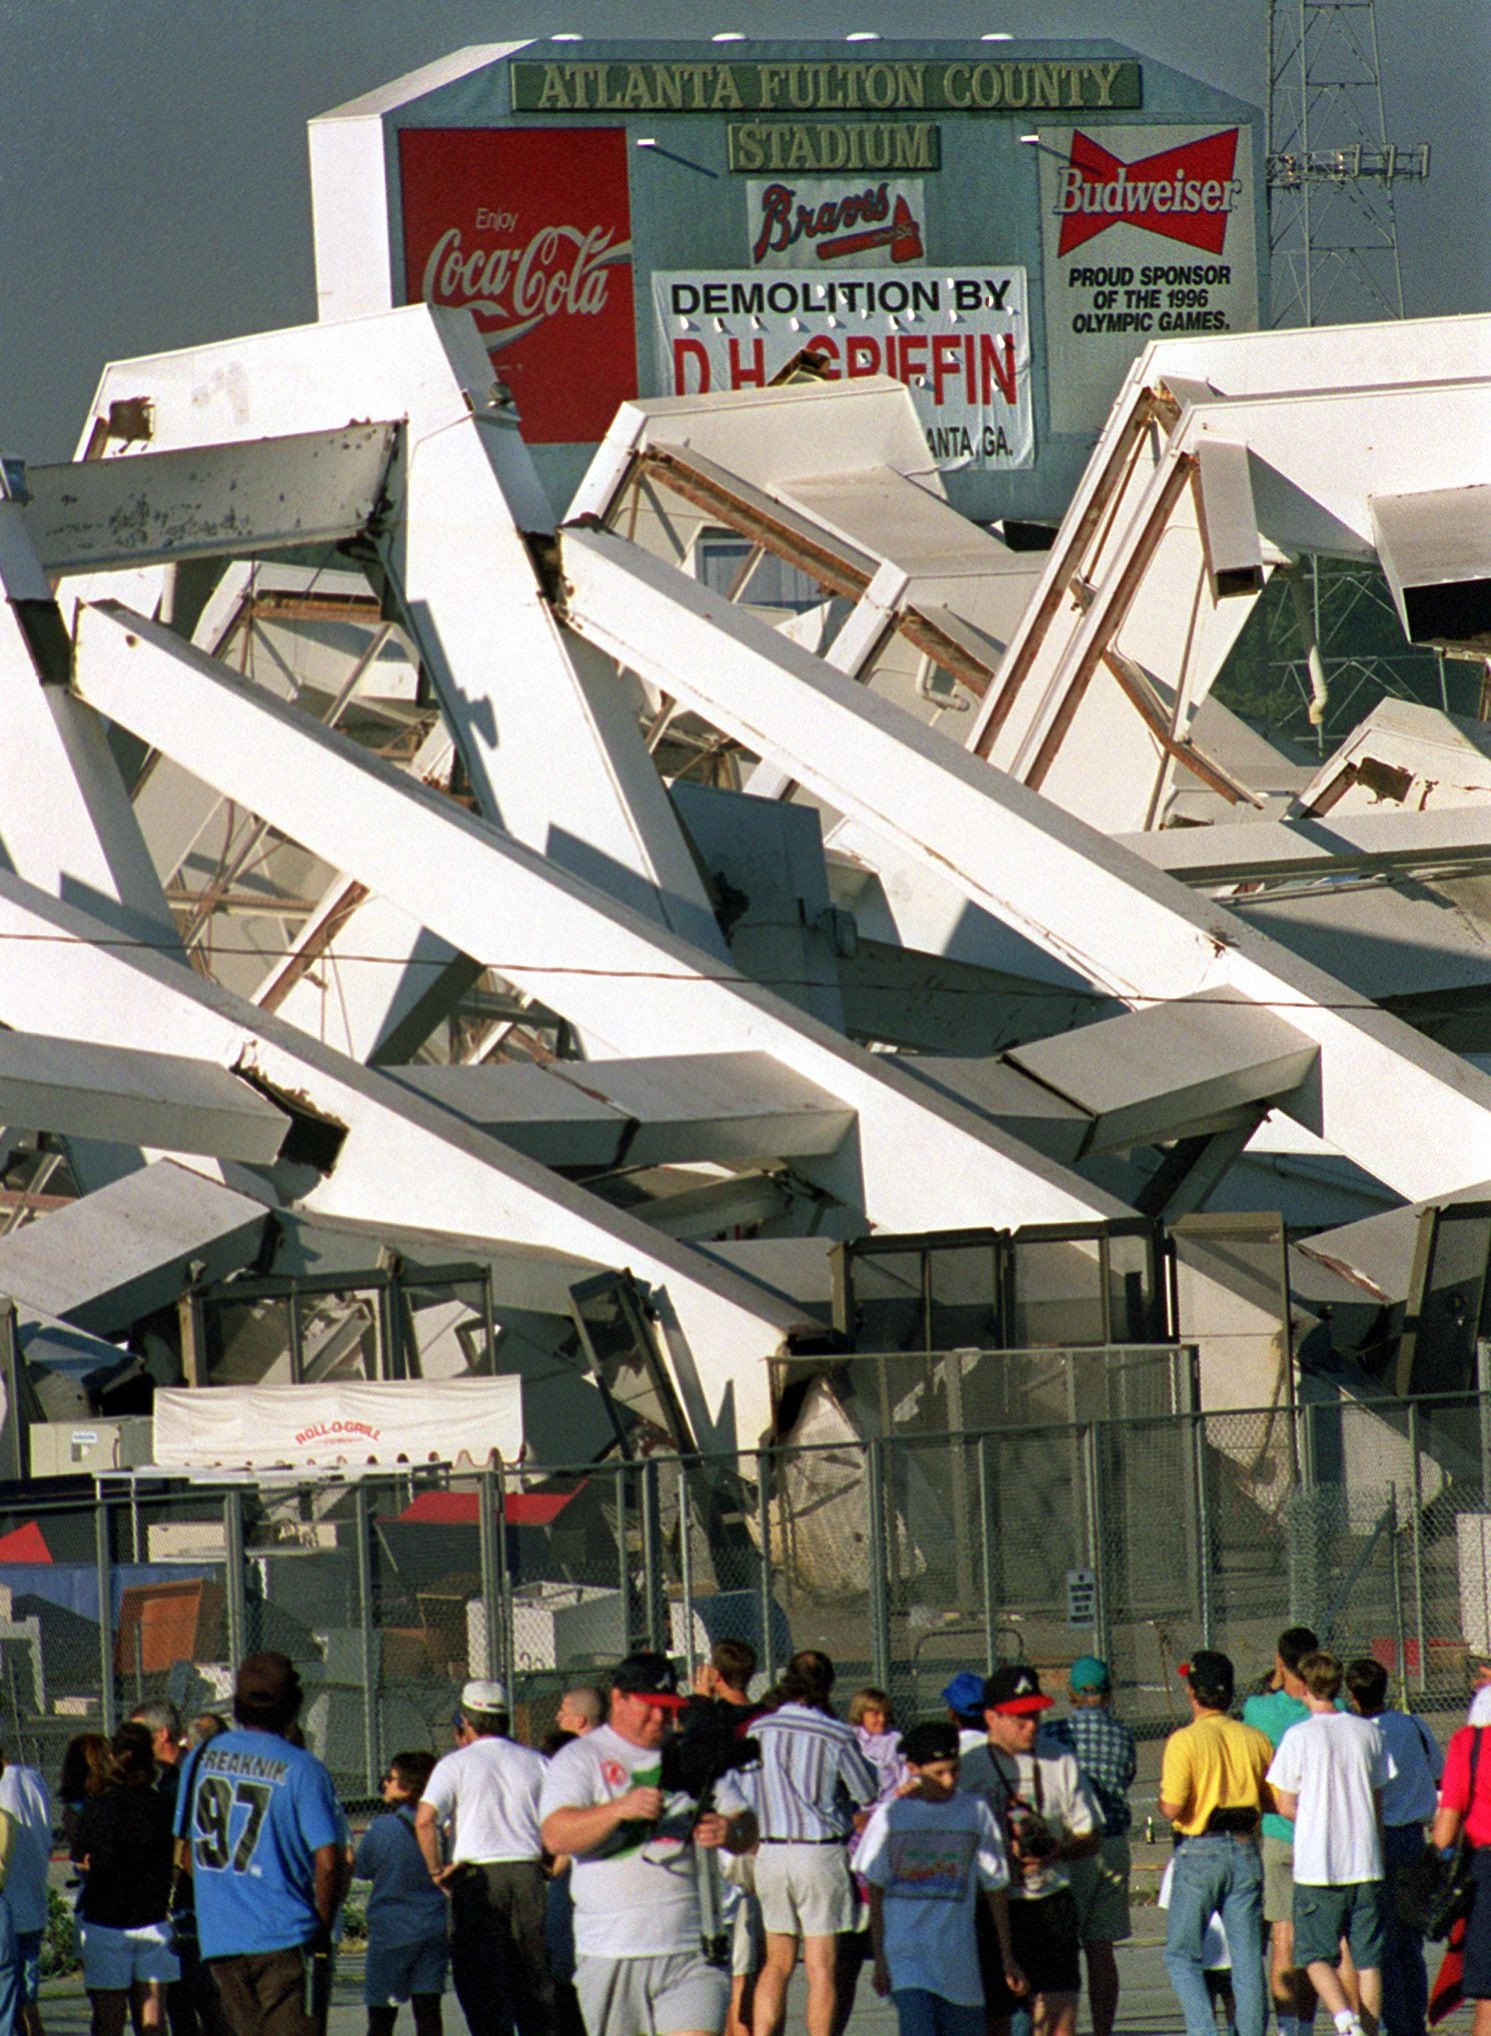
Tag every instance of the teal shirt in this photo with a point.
(1273, 1715)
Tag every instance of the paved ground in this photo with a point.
(1147, 2004)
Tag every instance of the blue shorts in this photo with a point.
(28, 1944)
(394, 1972)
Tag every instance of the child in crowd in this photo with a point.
(929, 1856)
(875, 1728)
(407, 1913)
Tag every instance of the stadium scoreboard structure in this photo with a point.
(1002, 226)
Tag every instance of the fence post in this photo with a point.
(370, 1664)
(987, 1529)
(1416, 1537)
(764, 1467)
(234, 1591)
(1097, 1553)
(104, 1561)
(1483, 1411)
(623, 1537)
(1400, 1627)
(1203, 1526)
(491, 1605)
(879, 1577)
(507, 1649)
(686, 1570)
(654, 1585)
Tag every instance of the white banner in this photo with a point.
(346, 1424)
(1147, 232)
(958, 338)
(819, 222)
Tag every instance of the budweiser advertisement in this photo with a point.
(832, 222)
(1147, 232)
(958, 338)
(531, 232)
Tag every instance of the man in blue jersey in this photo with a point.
(268, 1858)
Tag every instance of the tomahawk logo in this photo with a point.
(1185, 193)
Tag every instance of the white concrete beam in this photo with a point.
(621, 977)
(131, 1097)
(466, 510)
(403, 1161)
(1074, 892)
(207, 502)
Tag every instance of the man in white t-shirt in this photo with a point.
(24, 1794)
(477, 1826)
(1328, 1774)
(639, 1962)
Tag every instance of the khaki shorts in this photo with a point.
(1100, 1888)
(805, 1890)
(1278, 1879)
(662, 1996)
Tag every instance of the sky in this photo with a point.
(154, 192)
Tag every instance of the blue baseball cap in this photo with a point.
(1090, 1672)
(965, 1695)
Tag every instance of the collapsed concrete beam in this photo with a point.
(131, 1097)
(623, 979)
(399, 1161)
(131, 1248)
(1079, 896)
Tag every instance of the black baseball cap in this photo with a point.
(648, 1675)
(1015, 1691)
(1210, 1668)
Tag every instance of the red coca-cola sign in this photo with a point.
(531, 233)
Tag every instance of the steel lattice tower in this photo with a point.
(1333, 247)
(1333, 233)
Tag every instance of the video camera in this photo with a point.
(696, 1759)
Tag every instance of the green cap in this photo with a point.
(1089, 1673)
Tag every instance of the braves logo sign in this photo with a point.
(1186, 193)
(815, 221)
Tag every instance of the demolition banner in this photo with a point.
(958, 338)
(1147, 232)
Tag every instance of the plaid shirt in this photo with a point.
(1106, 1754)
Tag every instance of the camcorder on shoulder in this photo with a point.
(695, 1760)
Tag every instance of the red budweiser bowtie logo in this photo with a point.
(1183, 193)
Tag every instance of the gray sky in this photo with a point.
(153, 182)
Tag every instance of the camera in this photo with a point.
(693, 1761)
(1034, 1835)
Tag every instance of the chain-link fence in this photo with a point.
(1138, 1530)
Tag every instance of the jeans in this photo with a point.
(1222, 1873)
(1405, 1981)
(919, 2013)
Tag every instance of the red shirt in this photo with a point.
(1454, 1790)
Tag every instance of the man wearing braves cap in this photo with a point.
(639, 1965)
(1035, 1789)
(1213, 1790)
(267, 1851)
(477, 1826)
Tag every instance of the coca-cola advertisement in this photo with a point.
(531, 232)
(1148, 232)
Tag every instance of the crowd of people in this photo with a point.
(662, 1863)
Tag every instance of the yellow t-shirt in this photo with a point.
(1214, 1764)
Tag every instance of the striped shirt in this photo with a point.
(812, 1777)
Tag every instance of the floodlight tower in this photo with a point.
(1333, 231)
